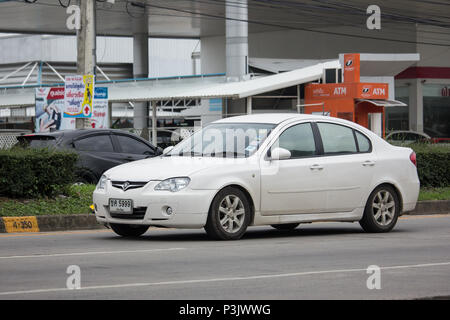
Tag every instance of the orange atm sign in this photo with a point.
(372, 91)
(329, 91)
(346, 91)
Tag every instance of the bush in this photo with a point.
(433, 164)
(31, 173)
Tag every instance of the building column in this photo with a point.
(236, 48)
(236, 37)
(416, 105)
(140, 70)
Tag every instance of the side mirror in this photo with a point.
(167, 150)
(280, 154)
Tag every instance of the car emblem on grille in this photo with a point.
(125, 186)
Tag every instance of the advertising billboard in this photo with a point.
(49, 110)
(79, 95)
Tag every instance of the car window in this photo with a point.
(298, 139)
(131, 145)
(336, 138)
(414, 136)
(395, 136)
(363, 142)
(97, 143)
(37, 142)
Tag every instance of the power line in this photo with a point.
(296, 28)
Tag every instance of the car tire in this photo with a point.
(285, 227)
(229, 215)
(85, 176)
(382, 210)
(128, 230)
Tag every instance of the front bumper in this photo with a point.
(189, 207)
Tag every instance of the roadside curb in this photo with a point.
(431, 207)
(89, 222)
(49, 223)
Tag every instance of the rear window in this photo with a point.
(37, 142)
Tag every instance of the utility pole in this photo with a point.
(86, 45)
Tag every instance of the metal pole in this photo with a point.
(154, 124)
(249, 105)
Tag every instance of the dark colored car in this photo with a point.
(98, 149)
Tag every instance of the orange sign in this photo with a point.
(351, 67)
(347, 90)
(372, 91)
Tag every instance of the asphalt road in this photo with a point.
(316, 261)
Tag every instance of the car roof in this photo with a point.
(271, 118)
(408, 131)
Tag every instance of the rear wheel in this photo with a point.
(128, 230)
(382, 210)
(229, 215)
(286, 226)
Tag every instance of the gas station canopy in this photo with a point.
(193, 19)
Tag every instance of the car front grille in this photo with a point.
(127, 185)
(138, 213)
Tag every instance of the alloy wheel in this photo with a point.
(231, 213)
(383, 207)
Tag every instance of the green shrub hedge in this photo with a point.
(31, 173)
(433, 164)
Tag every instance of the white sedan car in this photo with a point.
(266, 169)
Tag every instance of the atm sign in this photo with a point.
(373, 91)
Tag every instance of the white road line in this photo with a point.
(193, 281)
(89, 253)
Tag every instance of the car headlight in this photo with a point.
(173, 184)
(102, 183)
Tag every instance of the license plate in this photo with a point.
(120, 206)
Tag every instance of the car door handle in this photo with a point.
(368, 163)
(316, 167)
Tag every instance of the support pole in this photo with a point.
(140, 70)
(86, 45)
(249, 105)
(154, 124)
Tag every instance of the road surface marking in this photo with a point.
(90, 253)
(194, 281)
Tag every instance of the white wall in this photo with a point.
(167, 57)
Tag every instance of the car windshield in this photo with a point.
(226, 140)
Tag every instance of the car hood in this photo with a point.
(160, 168)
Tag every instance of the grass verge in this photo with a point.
(434, 194)
(76, 201)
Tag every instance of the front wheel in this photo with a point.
(128, 230)
(382, 210)
(229, 215)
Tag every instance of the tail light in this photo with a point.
(413, 159)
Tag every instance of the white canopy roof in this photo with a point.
(187, 88)
(383, 103)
